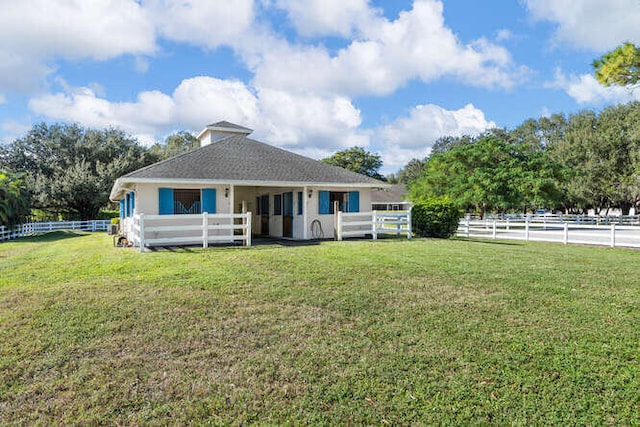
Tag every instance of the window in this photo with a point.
(300, 198)
(277, 204)
(347, 201)
(186, 202)
(342, 199)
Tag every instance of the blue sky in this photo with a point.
(312, 76)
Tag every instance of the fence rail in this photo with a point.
(356, 224)
(611, 234)
(169, 230)
(32, 228)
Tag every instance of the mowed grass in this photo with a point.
(355, 332)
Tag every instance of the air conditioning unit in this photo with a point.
(113, 229)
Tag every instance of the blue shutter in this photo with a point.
(323, 202)
(133, 202)
(128, 204)
(300, 202)
(209, 200)
(354, 201)
(165, 201)
(121, 208)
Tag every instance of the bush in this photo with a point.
(435, 217)
(108, 214)
(115, 220)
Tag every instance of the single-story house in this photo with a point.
(391, 198)
(288, 195)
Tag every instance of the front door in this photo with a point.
(264, 215)
(287, 214)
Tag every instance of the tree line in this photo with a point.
(583, 161)
(66, 171)
(572, 163)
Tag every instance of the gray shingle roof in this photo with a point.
(394, 194)
(229, 125)
(238, 158)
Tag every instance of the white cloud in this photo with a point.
(585, 89)
(413, 136)
(591, 24)
(201, 22)
(417, 45)
(329, 17)
(35, 32)
(309, 124)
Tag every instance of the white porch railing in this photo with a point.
(612, 235)
(360, 224)
(171, 230)
(31, 228)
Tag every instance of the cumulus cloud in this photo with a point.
(591, 24)
(34, 32)
(308, 123)
(417, 45)
(329, 17)
(585, 89)
(201, 22)
(413, 136)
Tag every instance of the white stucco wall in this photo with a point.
(147, 202)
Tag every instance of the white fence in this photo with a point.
(173, 230)
(543, 230)
(360, 224)
(32, 228)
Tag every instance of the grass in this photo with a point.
(356, 332)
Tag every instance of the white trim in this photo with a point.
(121, 183)
(223, 129)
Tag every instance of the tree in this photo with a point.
(620, 67)
(14, 199)
(70, 170)
(357, 159)
(412, 171)
(174, 144)
(482, 175)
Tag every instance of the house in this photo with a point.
(391, 198)
(288, 195)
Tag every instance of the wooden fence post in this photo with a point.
(409, 229)
(374, 224)
(468, 226)
(526, 229)
(339, 225)
(495, 231)
(141, 232)
(613, 235)
(248, 229)
(566, 233)
(205, 230)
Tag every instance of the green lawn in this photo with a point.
(355, 332)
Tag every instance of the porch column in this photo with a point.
(305, 214)
(232, 209)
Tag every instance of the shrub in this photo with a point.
(435, 217)
(115, 220)
(108, 214)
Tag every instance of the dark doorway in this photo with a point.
(287, 214)
(264, 215)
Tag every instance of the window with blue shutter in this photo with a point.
(165, 201)
(133, 202)
(324, 206)
(122, 209)
(300, 199)
(209, 200)
(354, 201)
